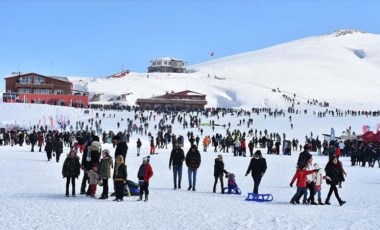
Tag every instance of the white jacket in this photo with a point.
(318, 178)
(310, 176)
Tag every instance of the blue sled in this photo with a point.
(235, 191)
(259, 197)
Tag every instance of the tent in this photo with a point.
(368, 136)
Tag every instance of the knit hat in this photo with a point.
(147, 158)
(316, 166)
(106, 151)
(220, 156)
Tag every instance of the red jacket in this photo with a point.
(300, 175)
(148, 172)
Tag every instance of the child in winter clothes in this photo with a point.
(144, 174)
(119, 177)
(318, 178)
(300, 175)
(231, 182)
(93, 178)
(71, 170)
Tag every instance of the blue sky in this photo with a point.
(99, 38)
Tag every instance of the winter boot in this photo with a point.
(341, 202)
(189, 188)
(179, 186)
(194, 189)
(327, 202)
(320, 201)
(146, 197)
(175, 186)
(140, 198)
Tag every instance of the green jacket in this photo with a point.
(105, 167)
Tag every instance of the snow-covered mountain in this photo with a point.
(342, 68)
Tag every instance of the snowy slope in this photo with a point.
(32, 189)
(342, 68)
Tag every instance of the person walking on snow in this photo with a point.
(177, 157)
(258, 167)
(218, 172)
(193, 161)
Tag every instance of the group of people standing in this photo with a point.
(98, 171)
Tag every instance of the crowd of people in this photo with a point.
(97, 164)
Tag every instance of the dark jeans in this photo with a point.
(144, 187)
(256, 183)
(84, 183)
(57, 156)
(221, 183)
(119, 189)
(334, 189)
(300, 191)
(192, 174)
(48, 154)
(309, 186)
(105, 188)
(177, 170)
(251, 152)
(68, 184)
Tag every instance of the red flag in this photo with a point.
(212, 53)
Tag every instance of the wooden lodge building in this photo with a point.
(37, 88)
(183, 99)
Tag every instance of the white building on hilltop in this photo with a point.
(167, 65)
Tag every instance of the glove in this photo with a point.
(291, 185)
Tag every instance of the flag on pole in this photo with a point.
(332, 134)
(212, 53)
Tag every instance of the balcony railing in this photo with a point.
(35, 86)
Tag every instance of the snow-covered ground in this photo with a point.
(32, 189)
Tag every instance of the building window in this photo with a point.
(24, 90)
(58, 91)
(165, 62)
(154, 63)
(159, 63)
(42, 91)
(25, 80)
(38, 80)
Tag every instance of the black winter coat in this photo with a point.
(219, 167)
(121, 149)
(120, 173)
(193, 159)
(71, 167)
(257, 166)
(177, 156)
(333, 171)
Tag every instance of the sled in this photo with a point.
(235, 191)
(259, 197)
